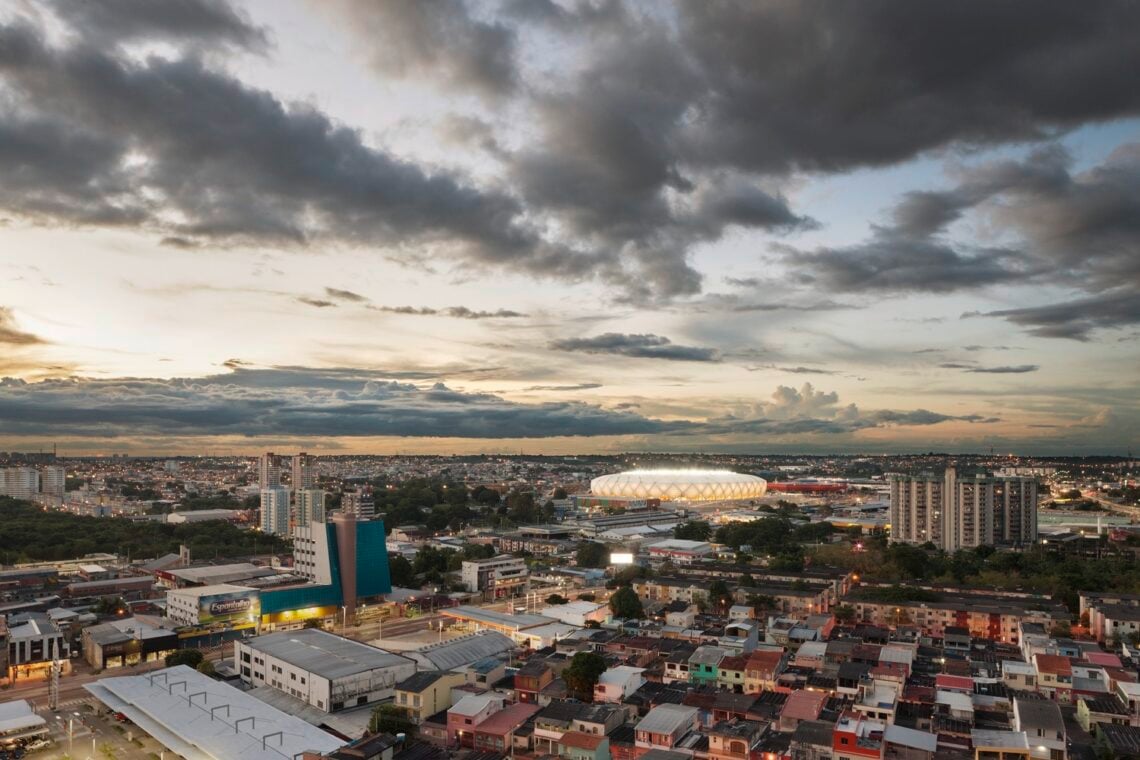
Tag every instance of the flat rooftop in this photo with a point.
(197, 592)
(324, 654)
(221, 573)
(498, 619)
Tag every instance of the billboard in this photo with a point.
(618, 558)
(230, 607)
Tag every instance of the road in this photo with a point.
(1111, 506)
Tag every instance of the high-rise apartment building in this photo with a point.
(304, 475)
(1015, 510)
(53, 481)
(961, 512)
(19, 482)
(359, 503)
(309, 506)
(268, 470)
(275, 510)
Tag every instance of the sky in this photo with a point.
(557, 226)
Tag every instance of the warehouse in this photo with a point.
(326, 671)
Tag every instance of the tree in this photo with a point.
(559, 493)
(191, 657)
(626, 604)
(844, 614)
(586, 597)
(401, 571)
(719, 595)
(206, 668)
(592, 554)
(390, 719)
(582, 674)
(693, 531)
(747, 581)
(557, 599)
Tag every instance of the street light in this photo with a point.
(343, 619)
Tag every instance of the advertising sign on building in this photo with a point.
(234, 607)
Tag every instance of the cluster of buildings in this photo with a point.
(955, 511)
(29, 482)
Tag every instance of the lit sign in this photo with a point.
(621, 559)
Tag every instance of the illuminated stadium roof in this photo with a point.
(679, 485)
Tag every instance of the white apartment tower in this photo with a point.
(275, 510)
(954, 512)
(310, 506)
(304, 476)
(19, 482)
(53, 481)
(268, 470)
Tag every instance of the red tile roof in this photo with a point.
(507, 720)
(581, 740)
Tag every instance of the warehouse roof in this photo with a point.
(198, 717)
(498, 619)
(324, 654)
(459, 652)
(221, 573)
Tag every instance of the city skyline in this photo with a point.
(569, 227)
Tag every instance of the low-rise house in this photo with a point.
(496, 732)
(812, 740)
(735, 739)
(576, 745)
(730, 673)
(615, 684)
(531, 678)
(1054, 676)
(703, 664)
(426, 693)
(801, 705)
(1019, 676)
(466, 714)
(1093, 711)
(1043, 723)
(992, 744)
(764, 666)
(904, 743)
(857, 737)
(664, 726)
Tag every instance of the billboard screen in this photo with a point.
(621, 559)
(232, 607)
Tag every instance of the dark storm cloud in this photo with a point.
(11, 335)
(349, 402)
(576, 387)
(641, 346)
(344, 295)
(112, 21)
(1076, 319)
(823, 85)
(898, 263)
(234, 163)
(1073, 230)
(440, 39)
(1016, 369)
(459, 312)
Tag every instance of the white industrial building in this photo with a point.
(577, 613)
(497, 577)
(324, 670)
(201, 605)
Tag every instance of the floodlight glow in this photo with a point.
(679, 485)
(621, 559)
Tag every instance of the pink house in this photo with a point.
(467, 713)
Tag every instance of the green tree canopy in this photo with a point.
(191, 657)
(592, 554)
(693, 530)
(582, 674)
(626, 604)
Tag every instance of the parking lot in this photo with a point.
(87, 731)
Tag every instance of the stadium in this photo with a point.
(679, 485)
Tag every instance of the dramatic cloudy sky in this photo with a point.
(569, 225)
